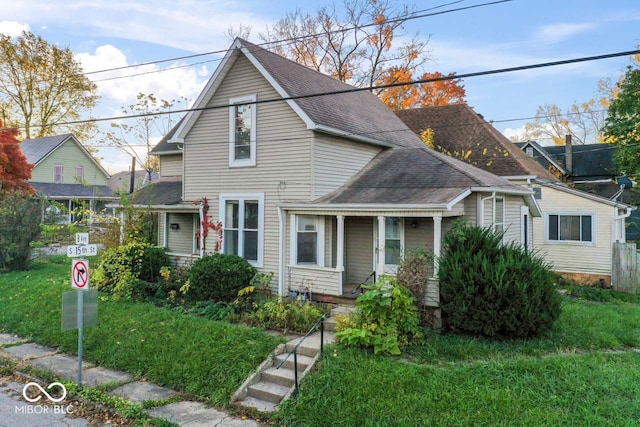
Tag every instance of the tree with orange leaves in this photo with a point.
(431, 93)
(14, 169)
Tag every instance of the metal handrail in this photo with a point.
(295, 353)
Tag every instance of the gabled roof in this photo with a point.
(36, 150)
(160, 193)
(344, 111)
(70, 191)
(459, 129)
(588, 160)
(419, 176)
(596, 198)
(121, 180)
(166, 147)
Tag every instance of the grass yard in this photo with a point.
(201, 357)
(585, 372)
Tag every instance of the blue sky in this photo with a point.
(106, 34)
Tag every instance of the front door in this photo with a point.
(393, 244)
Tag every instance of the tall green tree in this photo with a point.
(622, 126)
(43, 86)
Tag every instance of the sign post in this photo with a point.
(78, 316)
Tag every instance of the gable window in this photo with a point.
(58, 174)
(529, 151)
(309, 243)
(80, 173)
(568, 227)
(243, 225)
(242, 131)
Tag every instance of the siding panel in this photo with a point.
(171, 165)
(359, 248)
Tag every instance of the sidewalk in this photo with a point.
(181, 412)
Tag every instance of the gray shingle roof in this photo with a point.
(159, 193)
(414, 176)
(164, 146)
(38, 148)
(459, 129)
(65, 191)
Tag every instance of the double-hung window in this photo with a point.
(58, 174)
(243, 225)
(498, 214)
(307, 240)
(242, 131)
(80, 173)
(570, 227)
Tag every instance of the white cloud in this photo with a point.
(516, 133)
(554, 33)
(12, 28)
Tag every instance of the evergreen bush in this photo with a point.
(20, 216)
(494, 289)
(219, 277)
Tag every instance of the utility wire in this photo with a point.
(356, 89)
(288, 41)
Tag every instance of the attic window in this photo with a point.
(242, 131)
(529, 151)
(58, 174)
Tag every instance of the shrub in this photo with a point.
(217, 310)
(126, 271)
(294, 316)
(415, 268)
(20, 216)
(385, 318)
(494, 289)
(219, 277)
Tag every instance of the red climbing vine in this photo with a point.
(208, 224)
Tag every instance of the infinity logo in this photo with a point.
(26, 386)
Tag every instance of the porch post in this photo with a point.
(340, 248)
(437, 240)
(381, 242)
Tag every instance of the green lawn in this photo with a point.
(201, 357)
(585, 372)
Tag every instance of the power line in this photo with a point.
(357, 89)
(284, 42)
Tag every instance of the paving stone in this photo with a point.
(62, 365)
(93, 377)
(6, 339)
(28, 351)
(195, 414)
(139, 391)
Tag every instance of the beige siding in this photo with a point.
(574, 257)
(181, 241)
(317, 280)
(171, 165)
(162, 230)
(471, 209)
(69, 155)
(283, 155)
(335, 161)
(513, 218)
(359, 249)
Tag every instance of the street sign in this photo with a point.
(82, 238)
(80, 274)
(70, 313)
(82, 250)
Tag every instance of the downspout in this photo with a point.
(617, 218)
(201, 214)
(281, 243)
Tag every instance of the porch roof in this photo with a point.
(417, 176)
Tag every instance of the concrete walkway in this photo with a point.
(182, 413)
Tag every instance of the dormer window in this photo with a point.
(242, 131)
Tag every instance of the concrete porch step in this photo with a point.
(303, 361)
(311, 345)
(259, 404)
(283, 376)
(268, 391)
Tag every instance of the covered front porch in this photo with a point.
(330, 254)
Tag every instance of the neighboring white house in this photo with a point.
(313, 181)
(577, 230)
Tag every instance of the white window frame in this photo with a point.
(241, 198)
(529, 151)
(251, 161)
(55, 168)
(80, 175)
(320, 230)
(591, 242)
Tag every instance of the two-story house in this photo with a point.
(67, 174)
(313, 179)
(577, 230)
